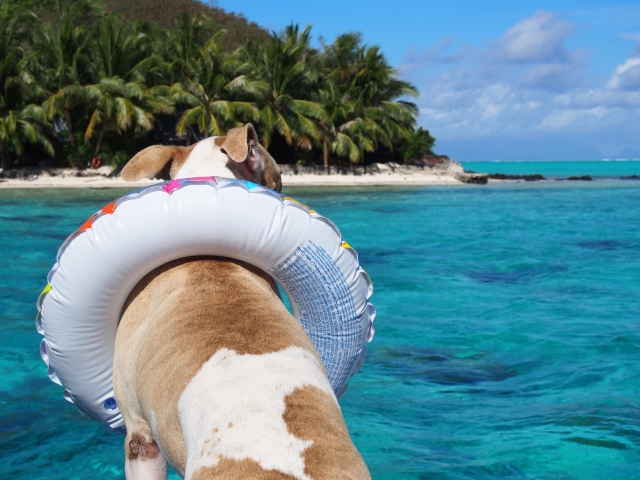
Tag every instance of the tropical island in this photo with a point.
(91, 83)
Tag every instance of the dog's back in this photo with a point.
(213, 372)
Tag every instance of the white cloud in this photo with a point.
(627, 75)
(552, 76)
(539, 38)
(527, 82)
(577, 120)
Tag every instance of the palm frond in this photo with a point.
(344, 146)
(96, 118)
(188, 118)
(310, 109)
(283, 127)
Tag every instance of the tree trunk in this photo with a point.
(104, 128)
(326, 157)
(5, 156)
(67, 120)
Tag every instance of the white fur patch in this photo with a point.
(233, 408)
(205, 160)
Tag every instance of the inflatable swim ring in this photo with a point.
(98, 266)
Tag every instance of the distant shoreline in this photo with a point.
(597, 169)
(293, 180)
(450, 173)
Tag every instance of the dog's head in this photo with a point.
(236, 155)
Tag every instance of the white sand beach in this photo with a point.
(46, 181)
(369, 179)
(450, 173)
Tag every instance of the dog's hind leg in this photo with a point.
(143, 458)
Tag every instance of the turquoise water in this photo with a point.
(507, 341)
(597, 169)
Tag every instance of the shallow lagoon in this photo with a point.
(552, 170)
(507, 341)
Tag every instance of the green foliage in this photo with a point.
(286, 70)
(20, 123)
(205, 86)
(73, 154)
(120, 99)
(361, 94)
(417, 145)
(93, 77)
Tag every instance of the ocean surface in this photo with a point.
(601, 169)
(507, 344)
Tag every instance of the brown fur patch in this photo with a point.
(229, 469)
(178, 317)
(219, 141)
(158, 161)
(312, 415)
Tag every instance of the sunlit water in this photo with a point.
(507, 344)
(597, 169)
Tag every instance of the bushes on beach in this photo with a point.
(417, 145)
(83, 79)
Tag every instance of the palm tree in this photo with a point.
(281, 75)
(59, 49)
(207, 93)
(120, 97)
(186, 45)
(346, 134)
(360, 94)
(122, 105)
(19, 124)
(126, 52)
(380, 93)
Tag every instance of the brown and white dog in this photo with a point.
(236, 155)
(211, 373)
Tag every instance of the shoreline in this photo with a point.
(287, 181)
(371, 175)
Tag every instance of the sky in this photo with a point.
(499, 80)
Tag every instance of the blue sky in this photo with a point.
(500, 80)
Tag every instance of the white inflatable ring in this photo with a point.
(98, 266)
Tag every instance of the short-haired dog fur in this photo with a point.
(211, 373)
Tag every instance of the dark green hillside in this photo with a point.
(165, 12)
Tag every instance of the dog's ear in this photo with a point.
(242, 145)
(237, 142)
(158, 161)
